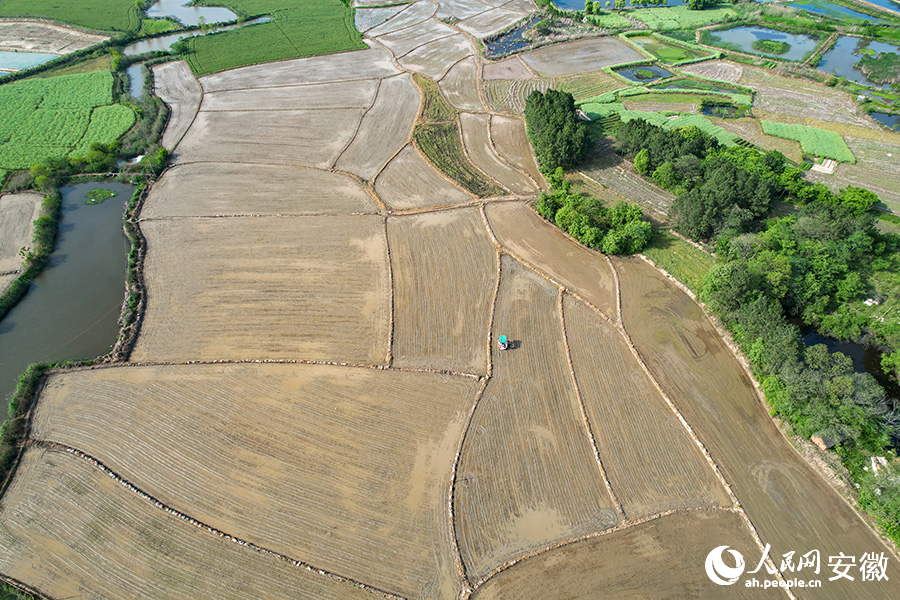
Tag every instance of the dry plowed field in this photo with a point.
(408, 181)
(266, 287)
(385, 129)
(71, 531)
(527, 475)
(652, 463)
(313, 138)
(353, 479)
(195, 190)
(489, 22)
(174, 83)
(413, 14)
(445, 275)
(343, 94)
(510, 141)
(435, 58)
(791, 506)
(662, 558)
(476, 136)
(348, 66)
(461, 9)
(28, 36)
(367, 18)
(402, 41)
(580, 55)
(460, 86)
(543, 245)
(509, 68)
(17, 215)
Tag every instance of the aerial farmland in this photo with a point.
(357, 359)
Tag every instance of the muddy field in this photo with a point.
(511, 143)
(460, 86)
(174, 83)
(490, 22)
(543, 245)
(445, 275)
(477, 140)
(435, 58)
(357, 469)
(408, 181)
(790, 505)
(29, 36)
(17, 215)
(343, 94)
(527, 476)
(580, 55)
(659, 559)
(193, 190)
(404, 41)
(509, 68)
(296, 287)
(119, 546)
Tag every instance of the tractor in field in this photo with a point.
(503, 343)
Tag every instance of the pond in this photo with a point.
(742, 38)
(889, 121)
(189, 15)
(576, 5)
(72, 308)
(835, 11)
(644, 74)
(841, 59)
(16, 61)
(513, 39)
(135, 74)
(164, 42)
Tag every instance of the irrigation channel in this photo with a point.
(72, 308)
(164, 43)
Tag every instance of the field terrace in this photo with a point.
(315, 406)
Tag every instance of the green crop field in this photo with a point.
(600, 111)
(814, 141)
(58, 116)
(319, 27)
(681, 260)
(104, 15)
(670, 18)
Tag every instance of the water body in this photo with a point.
(889, 4)
(835, 11)
(889, 121)
(743, 38)
(72, 308)
(190, 15)
(163, 43)
(16, 61)
(842, 58)
(135, 74)
(513, 39)
(576, 5)
(659, 73)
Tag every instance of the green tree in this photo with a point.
(559, 138)
(642, 162)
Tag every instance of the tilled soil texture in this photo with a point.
(287, 287)
(790, 505)
(353, 478)
(580, 55)
(72, 531)
(195, 190)
(662, 558)
(460, 86)
(527, 474)
(343, 94)
(408, 181)
(17, 215)
(652, 463)
(524, 232)
(385, 128)
(476, 136)
(445, 275)
(508, 68)
(174, 83)
(435, 58)
(511, 143)
(491, 22)
(28, 36)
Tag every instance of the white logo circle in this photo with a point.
(718, 571)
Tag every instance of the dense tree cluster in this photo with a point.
(559, 138)
(617, 230)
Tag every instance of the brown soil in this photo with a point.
(580, 55)
(510, 68)
(476, 136)
(460, 86)
(30, 36)
(17, 215)
(408, 181)
(344, 94)
(510, 141)
(175, 84)
(435, 58)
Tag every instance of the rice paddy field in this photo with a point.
(315, 404)
(101, 15)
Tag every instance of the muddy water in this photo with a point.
(72, 308)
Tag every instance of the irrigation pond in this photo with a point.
(842, 58)
(742, 39)
(189, 15)
(72, 309)
(644, 74)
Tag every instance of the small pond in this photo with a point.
(742, 38)
(889, 121)
(513, 39)
(830, 9)
(694, 86)
(164, 42)
(642, 74)
(16, 61)
(189, 15)
(135, 74)
(72, 308)
(669, 53)
(841, 59)
(576, 5)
